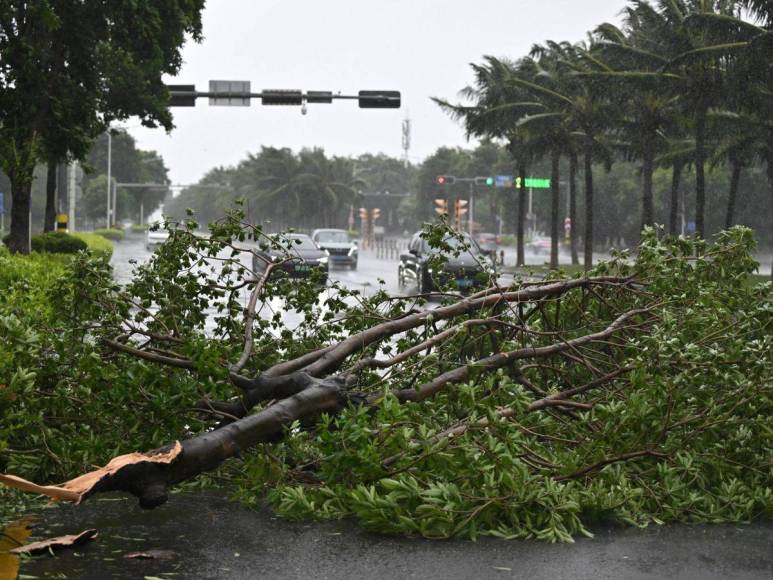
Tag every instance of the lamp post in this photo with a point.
(109, 169)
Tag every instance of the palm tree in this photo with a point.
(646, 104)
(497, 107)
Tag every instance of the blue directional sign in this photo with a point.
(2, 202)
(503, 181)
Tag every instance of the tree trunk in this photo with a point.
(50, 215)
(700, 177)
(647, 210)
(674, 210)
(573, 207)
(554, 229)
(588, 159)
(18, 241)
(521, 260)
(731, 200)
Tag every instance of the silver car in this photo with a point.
(341, 247)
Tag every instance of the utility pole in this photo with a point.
(109, 177)
(73, 170)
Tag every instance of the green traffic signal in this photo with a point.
(490, 181)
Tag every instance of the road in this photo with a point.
(211, 537)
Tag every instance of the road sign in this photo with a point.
(537, 183)
(239, 93)
(182, 95)
(503, 181)
(2, 202)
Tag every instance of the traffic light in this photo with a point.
(375, 213)
(460, 208)
(490, 181)
(379, 99)
(445, 179)
(363, 214)
(282, 97)
(442, 206)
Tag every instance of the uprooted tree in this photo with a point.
(640, 392)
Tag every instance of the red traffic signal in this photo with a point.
(445, 179)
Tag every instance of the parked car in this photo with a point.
(341, 247)
(302, 258)
(468, 270)
(539, 244)
(155, 238)
(489, 244)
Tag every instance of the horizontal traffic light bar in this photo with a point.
(237, 93)
(496, 181)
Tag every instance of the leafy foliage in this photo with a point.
(57, 243)
(663, 418)
(680, 437)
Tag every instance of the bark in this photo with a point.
(673, 227)
(521, 260)
(555, 199)
(647, 210)
(588, 159)
(700, 177)
(50, 215)
(18, 242)
(300, 393)
(735, 178)
(573, 207)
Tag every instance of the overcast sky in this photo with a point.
(420, 47)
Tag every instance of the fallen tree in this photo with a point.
(638, 393)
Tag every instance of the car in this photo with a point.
(301, 259)
(539, 244)
(341, 247)
(488, 244)
(468, 270)
(155, 238)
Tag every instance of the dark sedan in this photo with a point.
(429, 268)
(302, 257)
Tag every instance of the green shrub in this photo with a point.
(99, 246)
(114, 234)
(57, 243)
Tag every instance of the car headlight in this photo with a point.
(353, 251)
(323, 260)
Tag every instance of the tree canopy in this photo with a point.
(69, 68)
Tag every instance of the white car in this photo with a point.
(155, 238)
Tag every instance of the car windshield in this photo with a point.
(455, 244)
(333, 237)
(305, 243)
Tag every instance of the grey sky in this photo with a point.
(421, 47)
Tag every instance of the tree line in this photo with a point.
(683, 84)
(282, 189)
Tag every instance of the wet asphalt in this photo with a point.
(211, 537)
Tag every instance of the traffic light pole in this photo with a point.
(471, 219)
(186, 95)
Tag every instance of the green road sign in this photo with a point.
(537, 183)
